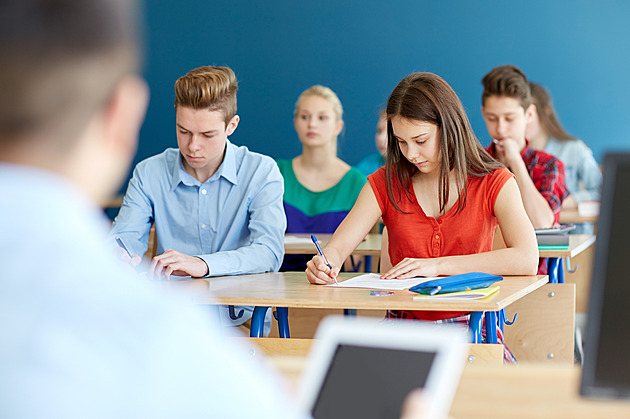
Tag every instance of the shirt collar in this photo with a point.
(227, 169)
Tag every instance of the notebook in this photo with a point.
(554, 238)
(364, 367)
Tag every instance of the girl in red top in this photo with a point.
(440, 195)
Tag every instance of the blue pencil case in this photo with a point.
(455, 283)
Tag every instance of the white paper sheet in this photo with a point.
(373, 281)
(297, 240)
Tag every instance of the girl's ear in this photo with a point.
(338, 127)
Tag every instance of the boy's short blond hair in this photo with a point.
(208, 87)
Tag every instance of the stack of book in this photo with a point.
(556, 238)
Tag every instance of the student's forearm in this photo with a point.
(355, 226)
(256, 258)
(536, 206)
(333, 256)
(509, 261)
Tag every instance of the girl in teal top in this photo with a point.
(319, 187)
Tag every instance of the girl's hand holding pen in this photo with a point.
(319, 273)
(321, 267)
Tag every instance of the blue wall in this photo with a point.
(361, 49)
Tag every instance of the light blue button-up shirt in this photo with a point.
(582, 174)
(234, 221)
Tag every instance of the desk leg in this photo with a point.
(368, 263)
(553, 266)
(258, 322)
(283, 321)
(475, 325)
(491, 327)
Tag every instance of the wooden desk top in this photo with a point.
(370, 246)
(114, 202)
(291, 289)
(572, 216)
(525, 391)
(577, 244)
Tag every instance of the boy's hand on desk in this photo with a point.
(175, 263)
(319, 273)
(410, 268)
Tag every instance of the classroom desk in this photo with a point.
(572, 217)
(371, 246)
(291, 289)
(114, 202)
(577, 244)
(528, 391)
(368, 248)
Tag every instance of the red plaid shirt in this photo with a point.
(547, 173)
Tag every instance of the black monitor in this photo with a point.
(606, 370)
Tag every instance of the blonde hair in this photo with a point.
(323, 92)
(208, 87)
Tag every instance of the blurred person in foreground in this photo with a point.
(82, 336)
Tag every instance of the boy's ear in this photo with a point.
(530, 112)
(231, 127)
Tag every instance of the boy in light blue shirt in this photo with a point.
(216, 207)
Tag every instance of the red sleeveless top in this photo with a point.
(414, 234)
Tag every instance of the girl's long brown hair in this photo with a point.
(547, 114)
(427, 97)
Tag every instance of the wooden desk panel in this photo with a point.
(527, 391)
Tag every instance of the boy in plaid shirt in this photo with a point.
(507, 108)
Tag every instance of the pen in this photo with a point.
(319, 250)
(122, 245)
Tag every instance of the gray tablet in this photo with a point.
(364, 367)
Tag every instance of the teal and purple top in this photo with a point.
(316, 212)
